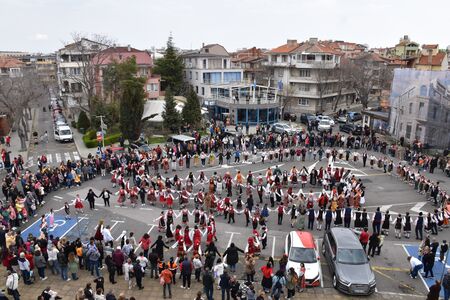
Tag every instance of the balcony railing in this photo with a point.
(304, 64)
(270, 99)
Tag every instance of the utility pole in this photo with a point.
(103, 128)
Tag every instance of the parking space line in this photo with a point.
(76, 156)
(273, 246)
(71, 227)
(231, 237)
(320, 265)
(393, 279)
(67, 156)
(49, 158)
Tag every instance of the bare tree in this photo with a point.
(17, 96)
(325, 77)
(88, 54)
(343, 81)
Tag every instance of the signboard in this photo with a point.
(99, 136)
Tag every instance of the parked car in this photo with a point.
(282, 128)
(63, 133)
(308, 119)
(140, 146)
(289, 117)
(349, 267)
(351, 128)
(354, 116)
(324, 125)
(329, 119)
(301, 248)
(342, 119)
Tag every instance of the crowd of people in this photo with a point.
(312, 198)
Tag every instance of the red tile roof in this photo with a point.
(10, 62)
(436, 60)
(286, 48)
(121, 53)
(430, 46)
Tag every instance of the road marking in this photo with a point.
(420, 275)
(76, 156)
(417, 208)
(78, 221)
(58, 157)
(66, 156)
(385, 208)
(400, 294)
(393, 279)
(398, 204)
(272, 167)
(231, 237)
(146, 208)
(58, 197)
(312, 166)
(273, 246)
(382, 268)
(320, 265)
(115, 223)
(49, 158)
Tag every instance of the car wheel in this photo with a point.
(334, 281)
(323, 249)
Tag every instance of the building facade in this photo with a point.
(406, 48)
(144, 62)
(11, 66)
(208, 68)
(421, 112)
(305, 73)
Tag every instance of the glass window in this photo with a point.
(271, 114)
(242, 115)
(303, 255)
(351, 256)
(252, 116)
(263, 115)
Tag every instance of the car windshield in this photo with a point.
(64, 132)
(324, 122)
(351, 256)
(304, 255)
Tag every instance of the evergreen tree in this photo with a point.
(171, 116)
(132, 107)
(83, 121)
(170, 67)
(192, 113)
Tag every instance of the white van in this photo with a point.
(63, 133)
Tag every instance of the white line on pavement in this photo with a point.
(417, 208)
(66, 156)
(78, 221)
(231, 237)
(148, 232)
(58, 197)
(320, 266)
(58, 157)
(49, 158)
(420, 275)
(76, 156)
(273, 246)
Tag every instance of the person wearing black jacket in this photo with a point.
(153, 259)
(232, 256)
(106, 194)
(111, 268)
(225, 284)
(159, 246)
(91, 198)
(208, 284)
(211, 249)
(138, 274)
(428, 263)
(373, 244)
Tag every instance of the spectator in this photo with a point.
(138, 274)
(40, 263)
(52, 253)
(12, 284)
(197, 266)
(145, 243)
(446, 285)
(24, 266)
(153, 259)
(428, 263)
(111, 267)
(250, 268)
(166, 280)
(225, 285)
(128, 272)
(73, 266)
(373, 244)
(88, 292)
(278, 282)
(416, 266)
(99, 295)
(435, 289)
(80, 294)
(49, 294)
(266, 281)
(99, 283)
(118, 259)
(443, 250)
(364, 238)
(186, 272)
(208, 284)
(218, 270)
(291, 283)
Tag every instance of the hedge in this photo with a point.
(90, 139)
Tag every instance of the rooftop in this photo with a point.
(436, 60)
(10, 62)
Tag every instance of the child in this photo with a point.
(51, 218)
(100, 283)
(67, 210)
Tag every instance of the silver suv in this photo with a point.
(282, 128)
(350, 269)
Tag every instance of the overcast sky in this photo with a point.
(44, 25)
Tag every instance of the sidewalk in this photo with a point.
(153, 290)
(82, 149)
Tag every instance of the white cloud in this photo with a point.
(40, 37)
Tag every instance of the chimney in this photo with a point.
(292, 42)
(129, 48)
(203, 45)
(406, 37)
(313, 40)
(430, 56)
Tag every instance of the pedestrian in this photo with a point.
(24, 266)
(250, 268)
(428, 262)
(138, 273)
(218, 270)
(153, 260)
(106, 195)
(145, 243)
(278, 282)
(266, 281)
(232, 254)
(225, 285)
(291, 283)
(373, 244)
(111, 267)
(118, 259)
(208, 284)
(41, 264)
(91, 199)
(380, 243)
(12, 284)
(416, 266)
(446, 285)
(443, 250)
(419, 226)
(99, 283)
(186, 273)
(128, 272)
(435, 290)
(166, 281)
(88, 292)
(72, 265)
(159, 246)
(364, 238)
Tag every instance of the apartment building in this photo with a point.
(10, 66)
(144, 62)
(305, 74)
(208, 68)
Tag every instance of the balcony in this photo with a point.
(262, 101)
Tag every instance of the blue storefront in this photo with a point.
(252, 116)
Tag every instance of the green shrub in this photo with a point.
(90, 139)
(83, 121)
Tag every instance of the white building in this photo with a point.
(210, 67)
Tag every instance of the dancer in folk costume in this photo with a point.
(114, 178)
(169, 198)
(203, 218)
(133, 195)
(184, 196)
(165, 164)
(51, 218)
(169, 231)
(181, 247)
(197, 236)
(187, 237)
(161, 222)
(196, 214)
(184, 215)
(304, 176)
(78, 204)
(122, 194)
(151, 195)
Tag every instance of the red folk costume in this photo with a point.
(122, 194)
(181, 248)
(169, 198)
(187, 238)
(78, 203)
(151, 197)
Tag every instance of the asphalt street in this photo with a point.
(382, 190)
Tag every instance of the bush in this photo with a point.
(74, 124)
(83, 121)
(90, 139)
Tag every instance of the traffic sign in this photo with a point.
(99, 136)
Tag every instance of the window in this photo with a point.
(410, 108)
(185, 74)
(280, 73)
(204, 64)
(408, 131)
(224, 63)
(284, 58)
(75, 87)
(304, 73)
(304, 87)
(418, 132)
(190, 75)
(152, 87)
(303, 102)
(203, 91)
(435, 112)
(196, 89)
(196, 75)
